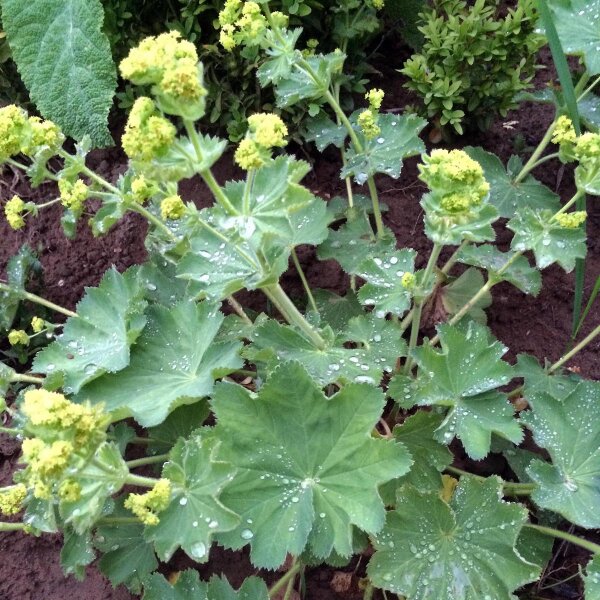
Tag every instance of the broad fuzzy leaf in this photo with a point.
(195, 513)
(189, 587)
(464, 550)
(97, 341)
(383, 275)
(335, 310)
(506, 195)
(378, 344)
(324, 132)
(463, 376)
(125, 558)
(591, 579)
(399, 139)
(6, 375)
(175, 362)
(76, 553)
(354, 242)
(537, 379)
(460, 291)
(520, 273)
(569, 430)
(65, 60)
(578, 26)
(308, 467)
(550, 242)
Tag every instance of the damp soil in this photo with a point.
(29, 567)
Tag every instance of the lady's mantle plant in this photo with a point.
(305, 457)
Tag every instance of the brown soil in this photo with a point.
(29, 567)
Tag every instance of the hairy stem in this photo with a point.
(37, 299)
(569, 355)
(12, 526)
(21, 378)
(510, 488)
(300, 270)
(239, 310)
(147, 460)
(139, 481)
(563, 535)
(531, 163)
(291, 574)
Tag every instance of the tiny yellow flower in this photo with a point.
(367, 121)
(53, 459)
(230, 12)
(146, 506)
(69, 491)
(408, 281)
(455, 203)
(378, 4)
(13, 126)
(571, 220)
(280, 19)
(226, 37)
(72, 195)
(172, 207)
(564, 132)
(18, 337)
(13, 211)
(11, 499)
(375, 98)
(42, 134)
(142, 189)
(587, 147)
(37, 324)
(248, 155)
(267, 130)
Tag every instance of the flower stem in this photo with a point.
(12, 526)
(510, 488)
(563, 535)
(300, 270)
(531, 163)
(20, 378)
(138, 208)
(37, 299)
(147, 460)
(291, 574)
(569, 355)
(239, 310)
(10, 431)
(291, 314)
(139, 481)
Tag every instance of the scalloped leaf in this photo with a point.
(591, 579)
(520, 273)
(65, 60)
(195, 513)
(463, 376)
(317, 486)
(550, 242)
(506, 195)
(569, 429)
(399, 139)
(464, 550)
(174, 362)
(109, 319)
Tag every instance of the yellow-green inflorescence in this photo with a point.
(13, 211)
(12, 498)
(59, 435)
(571, 220)
(37, 324)
(265, 131)
(171, 65)
(172, 207)
(147, 134)
(146, 507)
(408, 281)
(456, 181)
(244, 23)
(72, 194)
(18, 337)
(368, 118)
(142, 188)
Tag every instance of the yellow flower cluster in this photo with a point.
(13, 211)
(375, 98)
(378, 4)
(408, 281)
(169, 63)
(147, 135)
(571, 220)
(455, 179)
(243, 22)
(564, 132)
(37, 324)
(146, 506)
(172, 207)
(12, 498)
(367, 121)
(18, 337)
(69, 491)
(265, 131)
(587, 147)
(72, 195)
(142, 189)
(19, 134)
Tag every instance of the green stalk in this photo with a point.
(569, 355)
(138, 208)
(10, 431)
(531, 163)
(291, 314)
(563, 535)
(276, 587)
(137, 480)
(20, 378)
(369, 591)
(147, 460)
(38, 300)
(509, 488)
(300, 270)
(12, 526)
(239, 310)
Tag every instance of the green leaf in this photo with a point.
(174, 362)
(324, 132)
(76, 554)
(550, 242)
(109, 320)
(463, 550)
(399, 139)
(354, 242)
(336, 311)
(194, 513)
(569, 430)
(383, 275)
(6, 378)
(463, 376)
(377, 345)
(189, 587)
(538, 379)
(460, 291)
(506, 195)
(430, 457)
(65, 61)
(534, 547)
(99, 480)
(578, 27)
(321, 482)
(125, 557)
(591, 579)
(520, 273)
